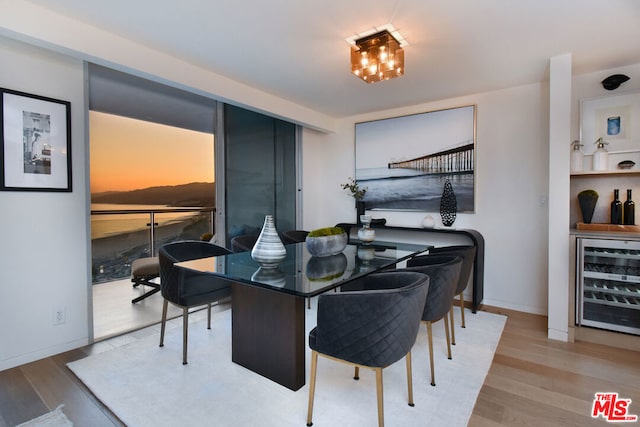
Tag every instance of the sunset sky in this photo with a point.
(128, 154)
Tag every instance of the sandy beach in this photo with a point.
(112, 255)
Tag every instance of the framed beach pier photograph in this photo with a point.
(404, 162)
(35, 142)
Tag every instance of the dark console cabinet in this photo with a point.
(474, 236)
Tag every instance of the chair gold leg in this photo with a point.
(165, 305)
(312, 385)
(446, 333)
(185, 331)
(453, 327)
(356, 373)
(209, 316)
(380, 397)
(462, 308)
(430, 339)
(410, 379)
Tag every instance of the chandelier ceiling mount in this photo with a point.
(377, 54)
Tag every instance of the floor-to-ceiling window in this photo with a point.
(141, 170)
(152, 181)
(151, 149)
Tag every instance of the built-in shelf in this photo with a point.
(611, 172)
(608, 227)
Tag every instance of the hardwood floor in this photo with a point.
(532, 382)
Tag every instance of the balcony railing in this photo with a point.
(120, 236)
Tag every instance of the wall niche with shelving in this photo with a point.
(604, 183)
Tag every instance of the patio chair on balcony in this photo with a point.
(143, 271)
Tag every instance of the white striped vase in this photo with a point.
(268, 250)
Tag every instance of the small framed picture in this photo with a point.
(613, 118)
(35, 142)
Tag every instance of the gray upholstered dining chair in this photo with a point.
(186, 288)
(371, 328)
(468, 255)
(243, 243)
(443, 272)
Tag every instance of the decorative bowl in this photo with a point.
(626, 164)
(326, 245)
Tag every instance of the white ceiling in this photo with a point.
(296, 49)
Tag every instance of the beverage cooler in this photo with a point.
(608, 288)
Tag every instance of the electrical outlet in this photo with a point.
(59, 315)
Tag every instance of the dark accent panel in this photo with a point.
(122, 94)
(260, 172)
(473, 235)
(268, 334)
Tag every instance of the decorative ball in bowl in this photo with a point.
(326, 241)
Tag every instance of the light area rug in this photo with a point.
(145, 385)
(55, 418)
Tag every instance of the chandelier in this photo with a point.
(377, 57)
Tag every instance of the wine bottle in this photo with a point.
(616, 208)
(629, 210)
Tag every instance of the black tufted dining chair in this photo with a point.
(468, 254)
(443, 272)
(244, 243)
(371, 328)
(186, 288)
(293, 236)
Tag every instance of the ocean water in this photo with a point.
(113, 224)
(409, 189)
(115, 242)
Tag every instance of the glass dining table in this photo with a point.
(268, 304)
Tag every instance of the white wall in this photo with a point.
(44, 258)
(511, 188)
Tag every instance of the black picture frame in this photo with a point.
(35, 143)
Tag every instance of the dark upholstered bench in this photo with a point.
(143, 271)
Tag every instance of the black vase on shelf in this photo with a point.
(629, 209)
(448, 205)
(587, 200)
(616, 208)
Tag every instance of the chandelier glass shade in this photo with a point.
(377, 57)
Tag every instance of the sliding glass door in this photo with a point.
(260, 172)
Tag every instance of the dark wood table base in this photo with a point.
(268, 333)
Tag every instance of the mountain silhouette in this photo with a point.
(194, 194)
